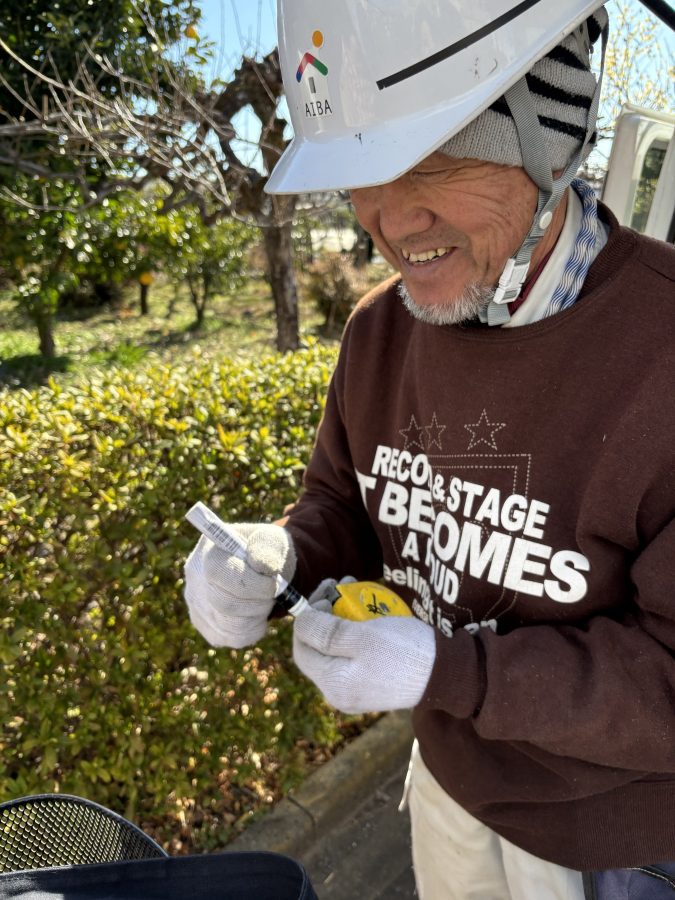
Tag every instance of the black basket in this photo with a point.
(220, 876)
(58, 846)
(59, 830)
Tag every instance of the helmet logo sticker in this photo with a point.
(316, 106)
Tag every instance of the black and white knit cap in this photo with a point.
(544, 123)
(562, 86)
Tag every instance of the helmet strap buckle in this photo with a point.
(551, 189)
(511, 281)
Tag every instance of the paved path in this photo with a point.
(367, 856)
(343, 823)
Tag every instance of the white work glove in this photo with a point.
(370, 666)
(324, 593)
(230, 599)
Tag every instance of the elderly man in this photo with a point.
(497, 445)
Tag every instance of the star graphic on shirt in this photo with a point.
(412, 435)
(483, 432)
(434, 432)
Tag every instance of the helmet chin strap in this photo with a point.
(551, 190)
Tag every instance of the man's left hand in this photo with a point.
(372, 666)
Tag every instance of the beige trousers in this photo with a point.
(456, 857)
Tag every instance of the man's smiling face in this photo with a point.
(449, 226)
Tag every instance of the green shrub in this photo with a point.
(107, 690)
(336, 285)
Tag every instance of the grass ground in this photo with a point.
(237, 325)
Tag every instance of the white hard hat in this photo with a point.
(375, 86)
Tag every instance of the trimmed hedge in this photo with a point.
(108, 692)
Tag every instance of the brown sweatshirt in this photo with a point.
(517, 488)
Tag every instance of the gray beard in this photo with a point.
(465, 307)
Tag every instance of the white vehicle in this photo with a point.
(640, 183)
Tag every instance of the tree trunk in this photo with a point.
(173, 302)
(281, 278)
(362, 251)
(198, 304)
(145, 290)
(46, 332)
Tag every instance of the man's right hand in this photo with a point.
(229, 599)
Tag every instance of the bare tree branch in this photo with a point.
(158, 125)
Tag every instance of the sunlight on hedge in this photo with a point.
(107, 691)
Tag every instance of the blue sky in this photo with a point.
(237, 27)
